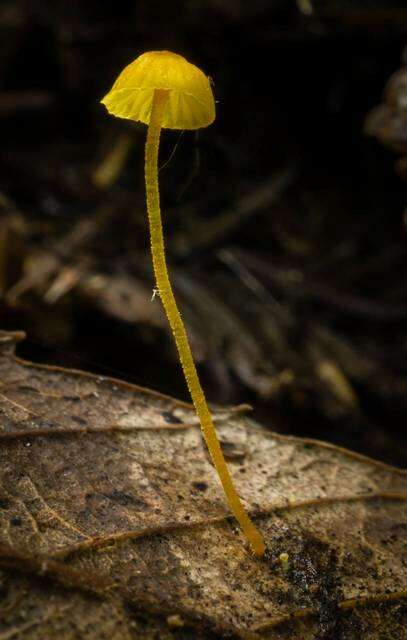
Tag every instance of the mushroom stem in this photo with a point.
(177, 326)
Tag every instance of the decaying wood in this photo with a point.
(119, 529)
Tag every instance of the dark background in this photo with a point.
(284, 219)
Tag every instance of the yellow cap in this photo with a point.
(190, 103)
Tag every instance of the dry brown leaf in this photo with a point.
(113, 523)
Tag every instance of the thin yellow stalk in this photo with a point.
(177, 326)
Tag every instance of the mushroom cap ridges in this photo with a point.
(190, 103)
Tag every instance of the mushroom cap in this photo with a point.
(190, 103)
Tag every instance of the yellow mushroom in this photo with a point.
(163, 90)
(284, 561)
